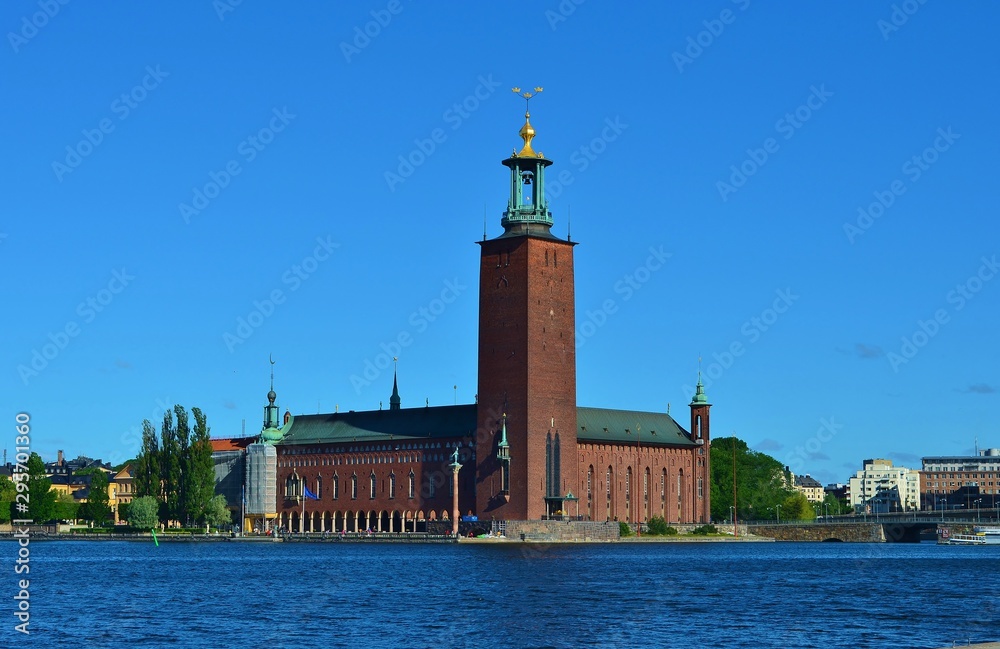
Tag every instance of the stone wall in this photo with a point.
(854, 532)
(550, 531)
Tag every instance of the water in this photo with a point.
(104, 594)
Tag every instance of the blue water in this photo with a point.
(114, 594)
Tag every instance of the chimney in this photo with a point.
(59, 459)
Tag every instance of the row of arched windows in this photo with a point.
(295, 486)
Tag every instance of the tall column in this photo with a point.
(455, 467)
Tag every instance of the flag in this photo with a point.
(309, 495)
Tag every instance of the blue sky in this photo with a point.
(802, 195)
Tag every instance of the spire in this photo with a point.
(527, 211)
(503, 433)
(527, 131)
(270, 432)
(394, 399)
(699, 393)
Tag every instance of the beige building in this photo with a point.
(880, 487)
(810, 487)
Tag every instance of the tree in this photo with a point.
(217, 513)
(170, 469)
(183, 436)
(97, 508)
(760, 481)
(65, 508)
(147, 466)
(201, 485)
(797, 508)
(41, 498)
(143, 513)
(7, 494)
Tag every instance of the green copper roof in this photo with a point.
(593, 425)
(379, 425)
(629, 426)
(699, 398)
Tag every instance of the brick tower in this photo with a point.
(526, 447)
(702, 437)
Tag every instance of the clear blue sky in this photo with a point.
(289, 119)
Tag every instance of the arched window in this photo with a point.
(392, 485)
(628, 494)
(663, 493)
(354, 487)
(410, 491)
(319, 486)
(290, 485)
(336, 486)
(372, 480)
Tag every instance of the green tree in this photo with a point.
(183, 435)
(217, 513)
(7, 493)
(797, 508)
(41, 498)
(143, 513)
(170, 469)
(97, 508)
(201, 486)
(66, 508)
(146, 473)
(760, 481)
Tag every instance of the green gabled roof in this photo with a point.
(379, 425)
(593, 425)
(606, 425)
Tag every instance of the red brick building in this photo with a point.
(527, 450)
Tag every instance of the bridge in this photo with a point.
(885, 528)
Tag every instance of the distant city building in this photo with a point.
(957, 481)
(62, 466)
(841, 492)
(880, 487)
(810, 486)
(121, 490)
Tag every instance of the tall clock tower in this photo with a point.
(526, 447)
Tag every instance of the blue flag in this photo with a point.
(310, 495)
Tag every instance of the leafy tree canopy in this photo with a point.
(760, 481)
(143, 513)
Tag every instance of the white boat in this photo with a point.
(980, 536)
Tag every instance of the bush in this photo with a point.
(624, 529)
(657, 526)
(705, 530)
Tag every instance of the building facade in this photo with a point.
(526, 449)
(953, 482)
(880, 487)
(810, 487)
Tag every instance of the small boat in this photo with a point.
(980, 536)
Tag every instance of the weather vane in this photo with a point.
(527, 95)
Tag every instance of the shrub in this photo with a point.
(657, 526)
(624, 529)
(705, 530)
